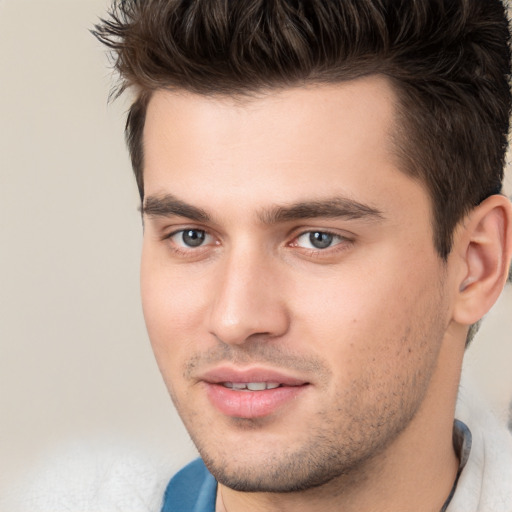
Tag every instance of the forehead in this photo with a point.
(315, 141)
(311, 117)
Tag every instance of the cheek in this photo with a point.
(173, 306)
(366, 317)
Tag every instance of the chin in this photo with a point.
(275, 472)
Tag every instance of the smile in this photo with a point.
(253, 392)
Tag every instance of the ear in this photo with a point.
(484, 247)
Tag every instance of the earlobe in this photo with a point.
(485, 244)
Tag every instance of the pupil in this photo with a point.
(193, 237)
(320, 240)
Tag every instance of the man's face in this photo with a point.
(291, 290)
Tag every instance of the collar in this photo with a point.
(462, 441)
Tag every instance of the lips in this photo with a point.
(223, 375)
(252, 393)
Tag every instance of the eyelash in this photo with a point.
(343, 244)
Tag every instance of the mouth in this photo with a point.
(254, 393)
(252, 379)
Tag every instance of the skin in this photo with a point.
(368, 322)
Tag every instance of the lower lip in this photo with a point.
(251, 404)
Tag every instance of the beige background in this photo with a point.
(75, 361)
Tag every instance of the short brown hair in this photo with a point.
(449, 61)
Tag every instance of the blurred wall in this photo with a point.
(75, 361)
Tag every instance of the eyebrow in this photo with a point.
(169, 206)
(337, 207)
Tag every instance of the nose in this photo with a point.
(248, 300)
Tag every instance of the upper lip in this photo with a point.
(226, 374)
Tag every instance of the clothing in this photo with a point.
(484, 482)
(99, 474)
(193, 489)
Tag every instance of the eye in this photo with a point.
(190, 238)
(318, 240)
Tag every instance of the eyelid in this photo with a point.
(168, 230)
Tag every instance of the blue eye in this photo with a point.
(318, 240)
(193, 237)
(190, 238)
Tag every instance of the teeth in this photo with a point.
(256, 386)
(251, 386)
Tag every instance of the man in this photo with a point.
(323, 225)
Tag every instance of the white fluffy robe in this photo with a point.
(485, 484)
(93, 476)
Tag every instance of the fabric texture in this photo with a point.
(485, 484)
(92, 475)
(193, 489)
